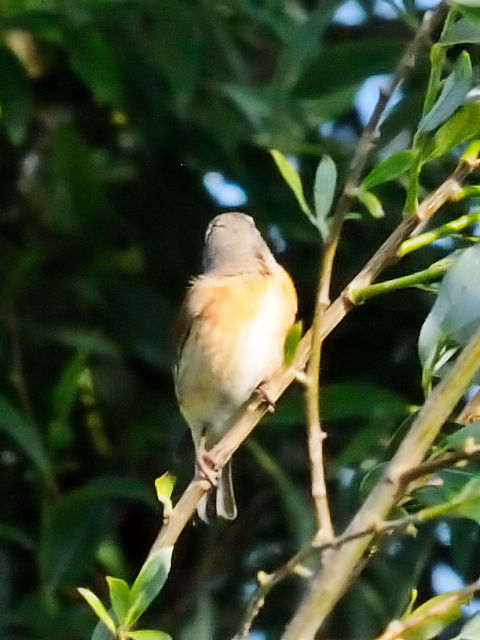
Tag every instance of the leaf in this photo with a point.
(98, 607)
(463, 126)
(101, 632)
(164, 486)
(119, 597)
(455, 314)
(460, 491)
(15, 96)
(25, 434)
(452, 96)
(324, 191)
(470, 630)
(96, 65)
(460, 32)
(459, 439)
(291, 177)
(148, 635)
(148, 583)
(371, 202)
(389, 169)
(292, 341)
(428, 620)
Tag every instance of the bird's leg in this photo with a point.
(205, 463)
(263, 395)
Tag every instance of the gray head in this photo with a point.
(233, 244)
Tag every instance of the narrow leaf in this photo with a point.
(292, 341)
(452, 96)
(98, 607)
(324, 191)
(464, 125)
(164, 487)
(428, 620)
(371, 202)
(148, 583)
(389, 169)
(291, 177)
(24, 433)
(462, 31)
(148, 635)
(119, 597)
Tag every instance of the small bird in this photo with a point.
(234, 321)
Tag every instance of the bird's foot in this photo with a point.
(263, 395)
(206, 466)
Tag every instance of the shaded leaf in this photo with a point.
(98, 607)
(389, 169)
(462, 31)
(15, 96)
(459, 439)
(148, 583)
(452, 96)
(25, 434)
(324, 191)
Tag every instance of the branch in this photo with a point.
(333, 578)
(268, 581)
(316, 434)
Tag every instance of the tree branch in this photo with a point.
(333, 578)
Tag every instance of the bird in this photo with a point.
(233, 325)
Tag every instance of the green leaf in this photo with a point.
(101, 632)
(148, 635)
(324, 191)
(459, 492)
(15, 96)
(470, 630)
(462, 31)
(119, 596)
(25, 434)
(389, 169)
(292, 341)
(463, 126)
(164, 486)
(434, 615)
(65, 390)
(459, 439)
(148, 583)
(291, 177)
(371, 202)
(96, 65)
(98, 607)
(452, 96)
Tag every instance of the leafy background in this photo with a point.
(125, 126)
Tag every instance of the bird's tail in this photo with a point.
(220, 501)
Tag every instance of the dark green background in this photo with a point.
(106, 135)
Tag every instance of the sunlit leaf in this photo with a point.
(433, 616)
(148, 583)
(470, 630)
(291, 177)
(324, 191)
(148, 635)
(462, 126)
(98, 607)
(371, 202)
(389, 169)
(119, 596)
(452, 96)
(292, 341)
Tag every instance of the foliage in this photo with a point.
(115, 115)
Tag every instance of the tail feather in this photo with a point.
(220, 500)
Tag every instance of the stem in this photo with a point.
(333, 578)
(432, 273)
(423, 240)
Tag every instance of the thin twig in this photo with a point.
(290, 567)
(330, 582)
